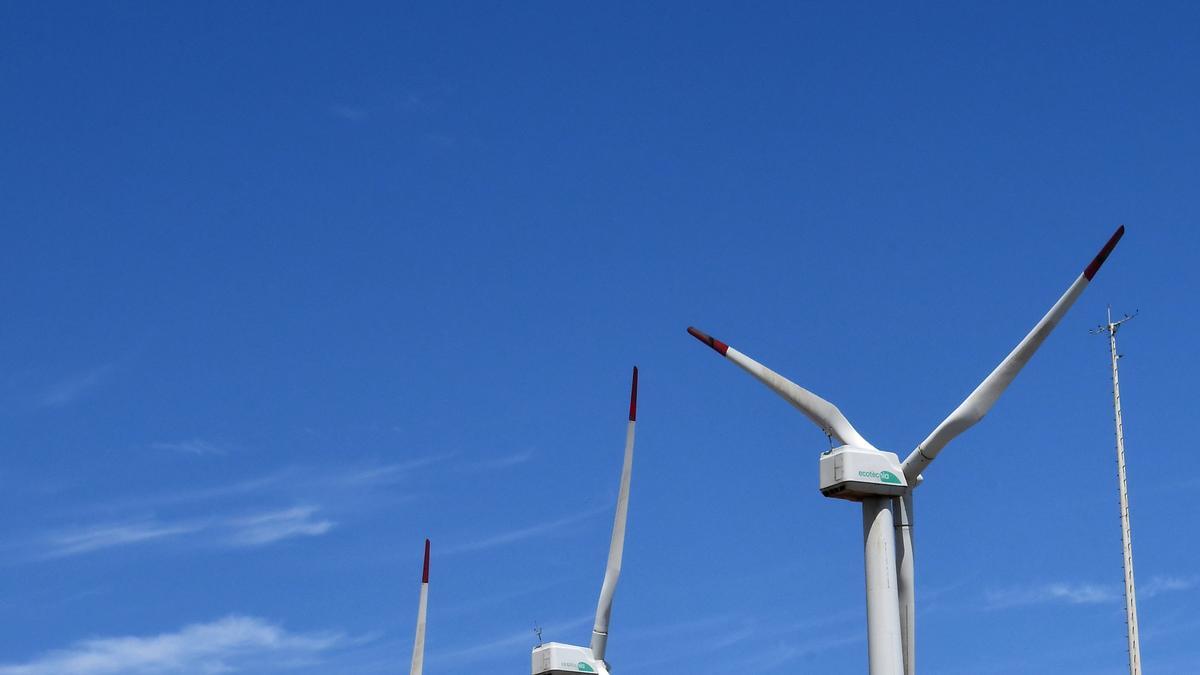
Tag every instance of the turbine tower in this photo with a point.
(1131, 620)
(858, 471)
(418, 657)
(554, 658)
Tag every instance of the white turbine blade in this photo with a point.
(418, 657)
(823, 413)
(617, 547)
(984, 397)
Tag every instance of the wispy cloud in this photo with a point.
(111, 535)
(477, 602)
(775, 655)
(296, 481)
(501, 462)
(520, 534)
(753, 643)
(691, 628)
(1061, 592)
(441, 140)
(267, 528)
(1157, 586)
(251, 487)
(238, 531)
(73, 386)
(350, 113)
(231, 644)
(384, 474)
(194, 446)
(496, 647)
(1084, 593)
(286, 504)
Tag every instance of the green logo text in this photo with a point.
(881, 476)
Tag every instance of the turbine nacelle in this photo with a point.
(854, 473)
(555, 658)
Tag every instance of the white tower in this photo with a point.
(1131, 620)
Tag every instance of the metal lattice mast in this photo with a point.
(1131, 621)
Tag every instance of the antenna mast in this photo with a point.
(1131, 621)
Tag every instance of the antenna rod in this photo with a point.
(1131, 620)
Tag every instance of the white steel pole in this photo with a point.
(905, 584)
(1131, 621)
(884, 653)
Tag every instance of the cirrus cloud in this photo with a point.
(229, 645)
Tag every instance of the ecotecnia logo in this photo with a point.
(585, 668)
(881, 476)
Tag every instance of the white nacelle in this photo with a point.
(854, 473)
(554, 658)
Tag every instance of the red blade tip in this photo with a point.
(709, 340)
(1091, 269)
(633, 398)
(425, 570)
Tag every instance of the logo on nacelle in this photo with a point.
(881, 476)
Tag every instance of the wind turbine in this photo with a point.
(418, 658)
(860, 472)
(555, 658)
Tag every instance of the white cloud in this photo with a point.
(70, 388)
(193, 446)
(207, 517)
(497, 647)
(382, 475)
(746, 644)
(330, 484)
(1072, 594)
(772, 656)
(273, 526)
(255, 529)
(230, 645)
(1085, 594)
(1162, 585)
(350, 113)
(520, 534)
(109, 535)
(502, 462)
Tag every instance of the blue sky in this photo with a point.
(289, 289)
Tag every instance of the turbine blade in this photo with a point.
(823, 413)
(975, 406)
(418, 657)
(425, 567)
(617, 546)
